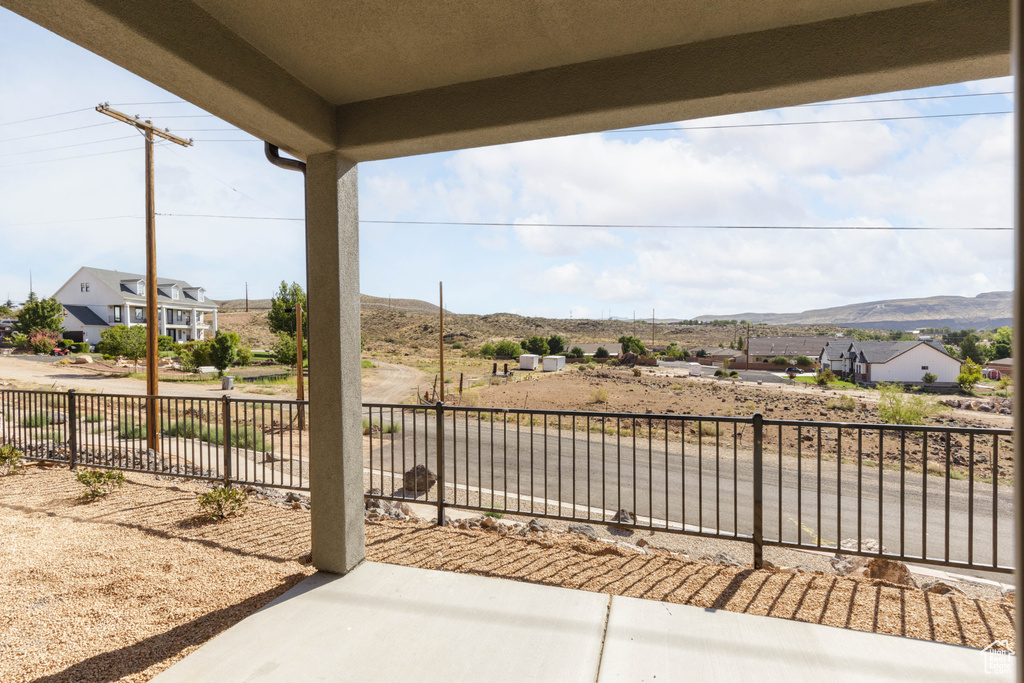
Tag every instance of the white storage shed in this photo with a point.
(529, 361)
(695, 369)
(554, 363)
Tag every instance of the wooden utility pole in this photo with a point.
(300, 386)
(652, 330)
(440, 292)
(152, 318)
(246, 297)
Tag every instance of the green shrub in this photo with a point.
(508, 349)
(825, 377)
(929, 378)
(896, 406)
(601, 352)
(779, 360)
(36, 420)
(803, 361)
(487, 350)
(19, 340)
(636, 371)
(392, 428)
(130, 430)
(599, 396)
(81, 347)
(734, 374)
(536, 345)
(719, 373)
(458, 345)
(576, 352)
(842, 403)
(10, 460)
(632, 345)
(709, 429)
(970, 375)
(224, 351)
(164, 343)
(223, 502)
(556, 344)
(244, 357)
(285, 350)
(99, 483)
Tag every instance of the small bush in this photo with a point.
(10, 460)
(719, 373)
(164, 343)
(458, 345)
(471, 398)
(576, 352)
(94, 417)
(36, 420)
(599, 396)
(842, 403)
(1005, 382)
(734, 374)
(508, 349)
(392, 428)
(779, 360)
(244, 357)
(99, 483)
(81, 347)
(43, 341)
(636, 372)
(895, 406)
(130, 430)
(223, 502)
(803, 361)
(929, 378)
(601, 352)
(487, 350)
(709, 429)
(970, 374)
(825, 377)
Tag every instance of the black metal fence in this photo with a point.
(933, 495)
(244, 441)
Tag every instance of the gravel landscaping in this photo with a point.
(122, 587)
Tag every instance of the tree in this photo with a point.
(1002, 343)
(701, 353)
(779, 360)
(537, 345)
(601, 352)
(576, 352)
(487, 350)
(803, 361)
(632, 345)
(970, 350)
(285, 349)
(282, 310)
(507, 349)
(970, 374)
(41, 314)
(121, 340)
(7, 309)
(224, 352)
(556, 344)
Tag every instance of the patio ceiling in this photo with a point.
(378, 80)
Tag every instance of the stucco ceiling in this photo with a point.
(366, 49)
(384, 78)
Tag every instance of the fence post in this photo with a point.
(72, 426)
(758, 491)
(440, 462)
(226, 402)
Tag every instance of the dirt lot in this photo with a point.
(657, 391)
(120, 588)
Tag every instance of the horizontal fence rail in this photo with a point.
(926, 494)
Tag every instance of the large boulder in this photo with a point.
(419, 478)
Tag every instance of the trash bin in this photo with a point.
(227, 382)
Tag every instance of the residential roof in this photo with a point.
(1001, 361)
(717, 352)
(86, 316)
(790, 346)
(873, 351)
(614, 349)
(119, 281)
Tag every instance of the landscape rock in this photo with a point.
(583, 530)
(419, 478)
(940, 588)
(891, 571)
(82, 360)
(623, 517)
(726, 560)
(537, 525)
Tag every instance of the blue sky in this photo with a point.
(945, 172)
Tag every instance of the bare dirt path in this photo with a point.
(386, 383)
(389, 383)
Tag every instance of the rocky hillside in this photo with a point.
(987, 310)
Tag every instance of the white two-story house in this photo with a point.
(95, 299)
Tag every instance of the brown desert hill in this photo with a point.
(984, 311)
(390, 325)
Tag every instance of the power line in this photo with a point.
(810, 123)
(608, 226)
(79, 144)
(74, 220)
(55, 132)
(45, 116)
(907, 99)
(77, 156)
(143, 104)
(218, 179)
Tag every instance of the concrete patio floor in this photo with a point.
(392, 623)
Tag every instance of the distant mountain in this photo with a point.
(990, 309)
(365, 301)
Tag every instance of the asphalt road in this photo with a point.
(711, 489)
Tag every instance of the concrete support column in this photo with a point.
(215, 328)
(336, 441)
(195, 324)
(163, 319)
(126, 317)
